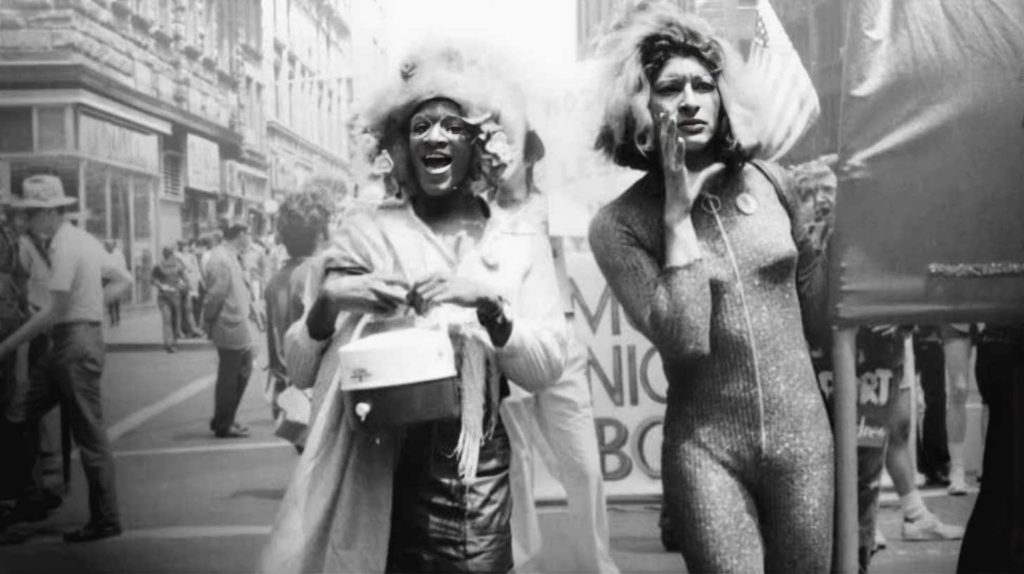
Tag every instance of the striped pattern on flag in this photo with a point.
(790, 101)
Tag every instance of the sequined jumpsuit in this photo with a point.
(747, 461)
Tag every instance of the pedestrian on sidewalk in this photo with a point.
(190, 288)
(114, 307)
(919, 523)
(932, 443)
(957, 343)
(302, 223)
(169, 279)
(76, 311)
(227, 310)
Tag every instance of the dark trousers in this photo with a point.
(932, 449)
(233, 371)
(170, 315)
(870, 462)
(77, 358)
(31, 456)
(186, 323)
(114, 310)
(994, 541)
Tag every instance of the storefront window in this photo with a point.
(15, 129)
(52, 129)
(96, 200)
(142, 203)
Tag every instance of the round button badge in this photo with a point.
(746, 203)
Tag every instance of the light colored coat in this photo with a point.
(228, 300)
(336, 514)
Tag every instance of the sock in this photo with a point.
(956, 456)
(913, 506)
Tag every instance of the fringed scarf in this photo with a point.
(481, 393)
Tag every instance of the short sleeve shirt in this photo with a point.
(79, 264)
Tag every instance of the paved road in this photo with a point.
(192, 503)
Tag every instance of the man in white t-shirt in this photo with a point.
(74, 313)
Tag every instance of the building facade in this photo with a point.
(309, 72)
(135, 105)
(163, 117)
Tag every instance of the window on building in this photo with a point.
(164, 14)
(278, 91)
(146, 8)
(172, 175)
(16, 129)
(96, 202)
(143, 239)
(52, 126)
(250, 27)
(224, 42)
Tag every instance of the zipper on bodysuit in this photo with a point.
(712, 204)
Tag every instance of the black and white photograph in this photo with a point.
(511, 286)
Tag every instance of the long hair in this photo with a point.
(480, 83)
(634, 51)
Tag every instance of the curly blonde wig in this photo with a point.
(634, 51)
(478, 81)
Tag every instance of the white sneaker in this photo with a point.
(929, 527)
(880, 541)
(957, 482)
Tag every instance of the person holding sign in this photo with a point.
(707, 257)
(456, 242)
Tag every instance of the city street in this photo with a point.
(192, 503)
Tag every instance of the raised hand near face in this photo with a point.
(682, 186)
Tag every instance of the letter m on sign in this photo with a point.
(593, 318)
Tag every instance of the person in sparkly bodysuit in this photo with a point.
(707, 257)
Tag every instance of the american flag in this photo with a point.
(790, 101)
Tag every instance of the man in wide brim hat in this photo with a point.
(41, 192)
(83, 277)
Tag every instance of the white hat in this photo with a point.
(42, 192)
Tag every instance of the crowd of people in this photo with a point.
(720, 259)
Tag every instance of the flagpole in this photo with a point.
(844, 354)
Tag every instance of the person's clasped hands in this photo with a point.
(384, 293)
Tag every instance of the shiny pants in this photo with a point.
(440, 524)
(745, 509)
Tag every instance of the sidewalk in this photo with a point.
(636, 544)
(140, 329)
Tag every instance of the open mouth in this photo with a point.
(436, 163)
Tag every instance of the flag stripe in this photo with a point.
(791, 103)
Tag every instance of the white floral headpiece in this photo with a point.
(473, 78)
